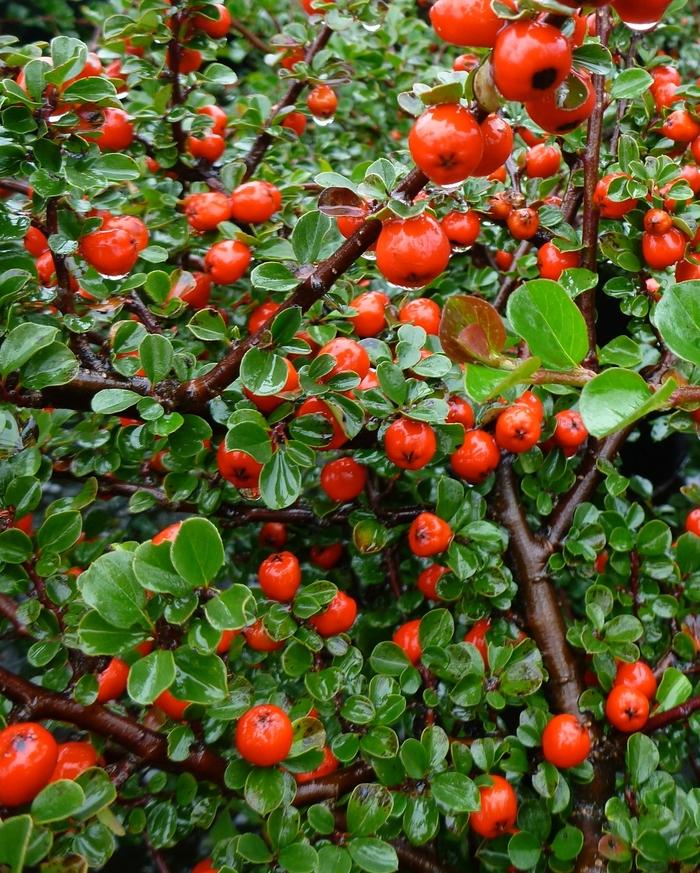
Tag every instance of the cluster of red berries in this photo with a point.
(627, 704)
(30, 759)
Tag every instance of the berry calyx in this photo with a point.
(530, 58)
(237, 467)
(412, 252)
(410, 444)
(627, 709)
(517, 429)
(255, 202)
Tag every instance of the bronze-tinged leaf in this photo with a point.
(338, 202)
(471, 330)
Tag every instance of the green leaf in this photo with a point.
(117, 167)
(280, 481)
(568, 842)
(264, 789)
(641, 758)
(112, 400)
(370, 805)
(298, 858)
(455, 792)
(263, 372)
(372, 855)
(110, 587)
(197, 552)
(219, 74)
(99, 637)
(674, 689)
(524, 850)
(155, 572)
(156, 354)
(549, 321)
(630, 83)
(308, 236)
(60, 531)
(616, 398)
(57, 801)
(53, 365)
(22, 342)
(232, 609)
(15, 546)
(677, 317)
(199, 678)
(89, 90)
(150, 676)
(484, 383)
(273, 277)
(14, 840)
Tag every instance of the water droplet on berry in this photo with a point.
(323, 120)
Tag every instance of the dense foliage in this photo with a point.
(350, 393)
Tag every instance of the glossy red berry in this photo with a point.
(552, 262)
(497, 136)
(428, 579)
(407, 638)
(664, 249)
(612, 208)
(194, 289)
(562, 110)
(657, 221)
(530, 58)
(279, 576)
(172, 706)
(523, 223)
(273, 534)
(188, 60)
(422, 312)
(466, 22)
(116, 131)
(460, 412)
(314, 406)
(542, 161)
(446, 143)
(328, 765)
(461, 228)
(46, 269)
(207, 146)
(343, 479)
(264, 735)
(476, 635)
(322, 101)
(261, 315)
(565, 741)
(295, 121)
(517, 429)
(338, 617)
(204, 211)
(35, 242)
(636, 675)
(412, 252)
(216, 27)
(640, 14)
(237, 467)
(168, 534)
(498, 810)
(627, 709)
(259, 640)
(111, 252)
(477, 457)
(132, 225)
(350, 357)
(204, 866)
(111, 682)
(371, 313)
(73, 759)
(429, 535)
(217, 115)
(227, 261)
(692, 522)
(28, 754)
(326, 557)
(570, 431)
(255, 202)
(410, 444)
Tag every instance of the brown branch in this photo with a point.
(252, 38)
(16, 186)
(136, 305)
(264, 139)
(591, 161)
(678, 713)
(8, 609)
(198, 391)
(41, 593)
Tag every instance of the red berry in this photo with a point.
(264, 735)
(172, 706)
(337, 618)
(279, 576)
(627, 709)
(28, 754)
(215, 27)
(227, 261)
(350, 357)
(523, 223)
(552, 262)
(314, 406)
(322, 101)
(111, 252)
(692, 522)
(328, 765)
(193, 289)
(529, 59)
(423, 313)
(477, 457)
(466, 22)
(542, 161)
(168, 534)
(207, 146)
(407, 638)
(429, 535)
(460, 412)
(206, 210)
(497, 136)
(663, 250)
(636, 675)
(410, 444)
(73, 759)
(612, 208)
(35, 242)
(343, 479)
(237, 467)
(565, 741)
(476, 635)
(371, 313)
(517, 429)
(116, 131)
(259, 640)
(570, 431)
(446, 143)
(326, 557)
(217, 115)
(461, 228)
(551, 112)
(273, 534)
(111, 682)
(498, 811)
(428, 580)
(255, 202)
(412, 252)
